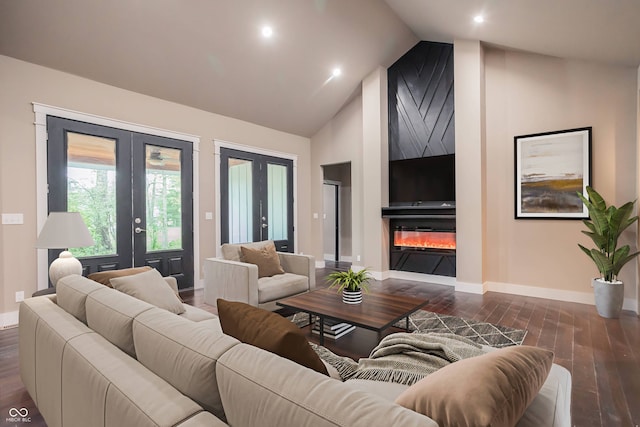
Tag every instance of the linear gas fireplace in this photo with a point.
(423, 239)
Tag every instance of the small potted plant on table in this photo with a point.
(606, 224)
(350, 283)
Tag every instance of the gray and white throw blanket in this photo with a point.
(404, 358)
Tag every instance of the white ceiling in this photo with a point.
(209, 54)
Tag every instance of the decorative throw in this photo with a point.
(405, 358)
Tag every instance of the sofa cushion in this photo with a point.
(265, 258)
(111, 314)
(232, 251)
(281, 286)
(102, 386)
(196, 314)
(44, 331)
(184, 353)
(71, 295)
(150, 287)
(489, 390)
(104, 277)
(282, 393)
(269, 331)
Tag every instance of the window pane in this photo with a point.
(277, 200)
(91, 189)
(240, 201)
(164, 198)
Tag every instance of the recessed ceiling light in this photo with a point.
(336, 72)
(267, 32)
(478, 19)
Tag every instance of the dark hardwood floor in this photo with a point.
(603, 355)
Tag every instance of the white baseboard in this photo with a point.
(346, 259)
(8, 320)
(471, 288)
(553, 294)
(328, 257)
(199, 284)
(320, 264)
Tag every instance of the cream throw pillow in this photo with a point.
(494, 389)
(150, 287)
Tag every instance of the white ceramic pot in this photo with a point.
(352, 297)
(609, 297)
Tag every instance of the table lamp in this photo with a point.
(63, 230)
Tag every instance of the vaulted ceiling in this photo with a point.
(211, 55)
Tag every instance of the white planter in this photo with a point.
(352, 297)
(609, 297)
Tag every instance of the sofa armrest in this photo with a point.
(230, 280)
(304, 265)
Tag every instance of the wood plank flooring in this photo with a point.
(603, 355)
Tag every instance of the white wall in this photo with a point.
(339, 141)
(470, 165)
(528, 93)
(22, 83)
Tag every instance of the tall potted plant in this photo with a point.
(606, 224)
(350, 283)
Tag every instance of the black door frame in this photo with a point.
(42, 112)
(226, 152)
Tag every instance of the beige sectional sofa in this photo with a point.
(93, 356)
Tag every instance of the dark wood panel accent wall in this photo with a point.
(421, 109)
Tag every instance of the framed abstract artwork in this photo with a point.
(550, 168)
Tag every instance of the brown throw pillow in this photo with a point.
(494, 389)
(266, 259)
(104, 277)
(269, 331)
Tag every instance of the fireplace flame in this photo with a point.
(425, 239)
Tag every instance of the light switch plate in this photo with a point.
(12, 218)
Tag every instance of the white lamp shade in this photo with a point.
(64, 230)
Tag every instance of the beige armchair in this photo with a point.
(231, 279)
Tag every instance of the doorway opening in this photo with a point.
(336, 215)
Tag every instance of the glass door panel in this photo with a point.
(277, 201)
(91, 190)
(164, 195)
(240, 191)
(134, 191)
(257, 198)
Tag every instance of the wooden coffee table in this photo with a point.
(377, 312)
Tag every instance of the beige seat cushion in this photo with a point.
(184, 353)
(102, 386)
(494, 389)
(269, 331)
(111, 314)
(71, 295)
(265, 258)
(283, 393)
(150, 287)
(281, 286)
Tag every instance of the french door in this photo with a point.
(256, 198)
(134, 192)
